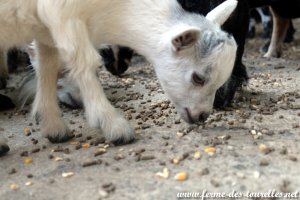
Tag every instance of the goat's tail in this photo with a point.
(27, 90)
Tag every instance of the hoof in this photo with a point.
(123, 141)
(2, 83)
(4, 149)
(60, 139)
(5, 103)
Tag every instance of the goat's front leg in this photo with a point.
(100, 113)
(45, 107)
(280, 27)
(83, 59)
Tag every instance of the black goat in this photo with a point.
(282, 12)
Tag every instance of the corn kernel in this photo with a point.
(28, 160)
(182, 176)
(86, 145)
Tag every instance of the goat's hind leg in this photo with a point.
(3, 69)
(280, 27)
(45, 107)
(83, 60)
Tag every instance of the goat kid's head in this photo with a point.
(199, 61)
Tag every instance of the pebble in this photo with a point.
(27, 131)
(98, 141)
(58, 149)
(180, 134)
(58, 159)
(78, 146)
(119, 157)
(139, 151)
(100, 152)
(86, 145)
(215, 183)
(240, 175)
(67, 174)
(147, 157)
(265, 149)
(293, 158)
(165, 174)
(34, 141)
(204, 172)
(285, 186)
(177, 121)
(267, 132)
(256, 175)
(91, 163)
(295, 125)
(14, 187)
(103, 194)
(109, 187)
(253, 132)
(36, 150)
(197, 155)
(175, 161)
(89, 137)
(283, 151)
(24, 154)
(29, 176)
(12, 171)
(29, 183)
(264, 163)
(74, 142)
(165, 137)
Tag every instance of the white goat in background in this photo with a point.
(191, 55)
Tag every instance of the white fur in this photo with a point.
(67, 31)
(280, 28)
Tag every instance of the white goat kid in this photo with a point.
(192, 56)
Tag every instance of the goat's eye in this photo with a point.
(198, 80)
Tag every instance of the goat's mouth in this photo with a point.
(188, 117)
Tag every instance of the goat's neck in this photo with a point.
(140, 25)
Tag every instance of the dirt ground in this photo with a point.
(252, 147)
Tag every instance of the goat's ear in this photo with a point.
(222, 12)
(186, 39)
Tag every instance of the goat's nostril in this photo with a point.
(203, 116)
